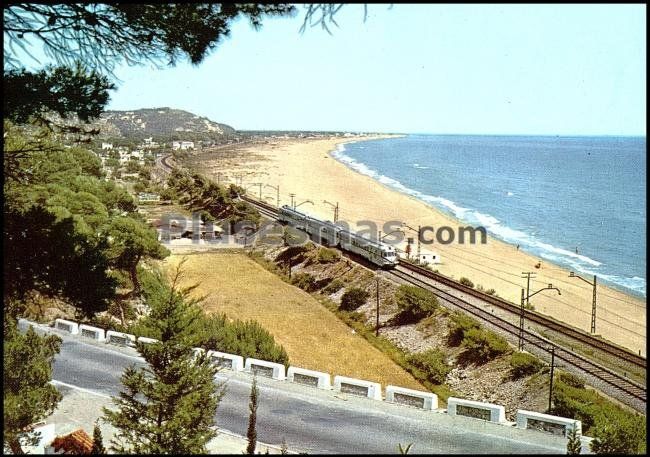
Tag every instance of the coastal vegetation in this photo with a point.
(353, 298)
(168, 406)
(28, 395)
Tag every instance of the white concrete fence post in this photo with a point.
(410, 397)
(92, 332)
(309, 377)
(67, 326)
(358, 387)
(264, 368)
(476, 409)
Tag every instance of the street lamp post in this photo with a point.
(593, 299)
(524, 298)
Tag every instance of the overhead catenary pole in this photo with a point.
(593, 298)
(550, 389)
(593, 308)
(336, 209)
(521, 322)
(377, 327)
(293, 203)
(419, 228)
(277, 193)
(528, 275)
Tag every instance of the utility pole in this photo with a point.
(377, 327)
(419, 228)
(521, 322)
(550, 390)
(293, 203)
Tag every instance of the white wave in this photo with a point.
(420, 167)
(578, 262)
(509, 194)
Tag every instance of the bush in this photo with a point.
(333, 287)
(458, 325)
(415, 303)
(491, 292)
(483, 345)
(623, 434)
(466, 282)
(432, 364)
(524, 364)
(326, 255)
(353, 298)
(247, 339)
(571, 380)
(305, 281)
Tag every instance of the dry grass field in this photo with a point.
(313, 337)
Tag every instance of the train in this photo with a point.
(330, 234)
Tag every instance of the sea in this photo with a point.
(579, 202)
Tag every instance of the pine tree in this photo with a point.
(252, 419)
(98, 441)
(169, 406)
(28, 395)
(574, 446)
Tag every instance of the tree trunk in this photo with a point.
(134, 277)
(15, 446)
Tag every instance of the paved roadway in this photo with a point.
(313, 420)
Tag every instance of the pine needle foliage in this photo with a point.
(169, 406)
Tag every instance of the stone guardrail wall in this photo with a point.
(488, 412)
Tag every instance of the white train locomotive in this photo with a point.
(330, 234)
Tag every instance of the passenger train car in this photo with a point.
(328, 233)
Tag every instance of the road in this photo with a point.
(312, 420)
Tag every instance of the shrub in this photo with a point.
(623, 434)
(466, 282)
(483, 345)
(524, 364)
(333, 287)
(305, 281)
(247, 339)
(571, 380)
(415, 303)
(353, 298)
(326, 255)
(491, 292)
(432, 364)
(458, 325)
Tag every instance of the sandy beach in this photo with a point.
(304, 167)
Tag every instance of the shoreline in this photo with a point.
(292, 165)
(448, 214)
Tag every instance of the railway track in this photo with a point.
(628, 389)
(630, 392)
(532, 316)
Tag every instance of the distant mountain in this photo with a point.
(163, 124)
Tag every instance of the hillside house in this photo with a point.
(182, 145)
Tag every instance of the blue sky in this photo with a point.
(463, 69)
